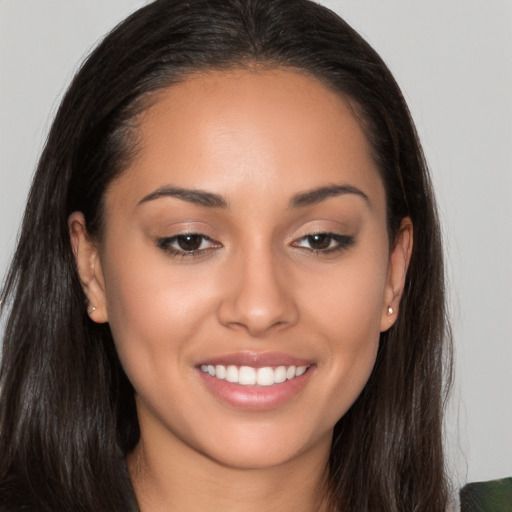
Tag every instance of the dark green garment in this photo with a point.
(493, 496)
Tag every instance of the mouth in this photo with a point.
(251, 376)
(256, 381)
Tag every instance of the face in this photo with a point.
(245, 268)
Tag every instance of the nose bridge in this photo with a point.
(259, 297)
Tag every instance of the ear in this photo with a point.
(397, 270)
(88, 264)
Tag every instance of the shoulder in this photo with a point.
(493, 496)
(15, 497)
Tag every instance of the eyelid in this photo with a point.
(336, 242)
(343, 242)
(166, 244)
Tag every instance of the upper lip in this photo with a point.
(256, 360)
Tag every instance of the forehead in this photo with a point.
(259, 129)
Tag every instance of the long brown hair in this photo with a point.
(67, 416)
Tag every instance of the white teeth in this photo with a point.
(300, 370)
(232, 373)
(280, 374)
(220, 372)
(246, 376)
(249, 376)
(265, 376)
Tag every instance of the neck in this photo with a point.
(180, 478)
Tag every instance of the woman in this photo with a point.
(228, 289)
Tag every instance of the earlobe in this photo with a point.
(88, 265)
(397, 271)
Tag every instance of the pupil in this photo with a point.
(321, 241)
(189, 242)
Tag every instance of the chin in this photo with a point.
(265, 446)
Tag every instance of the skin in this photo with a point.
(257, 138)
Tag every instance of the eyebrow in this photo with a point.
(318, 195)
(198, 197)
(211, 200)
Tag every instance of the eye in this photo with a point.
(324, 242)
(187, 244)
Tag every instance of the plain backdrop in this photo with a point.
(453, 60)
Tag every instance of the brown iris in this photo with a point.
(320, 241)
(189, 242)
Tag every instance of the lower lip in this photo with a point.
(256, 398)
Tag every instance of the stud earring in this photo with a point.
(92, 310)
(390, 310)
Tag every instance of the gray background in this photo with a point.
(453, 59)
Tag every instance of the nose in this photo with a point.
(258, 295)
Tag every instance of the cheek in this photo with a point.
(348, 298)
(153, 310)
(346, 311)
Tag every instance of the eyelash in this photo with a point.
(342, 242)
(167, 245)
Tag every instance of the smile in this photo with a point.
(249, 376)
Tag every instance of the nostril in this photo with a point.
(257, 321)
(256, 296)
